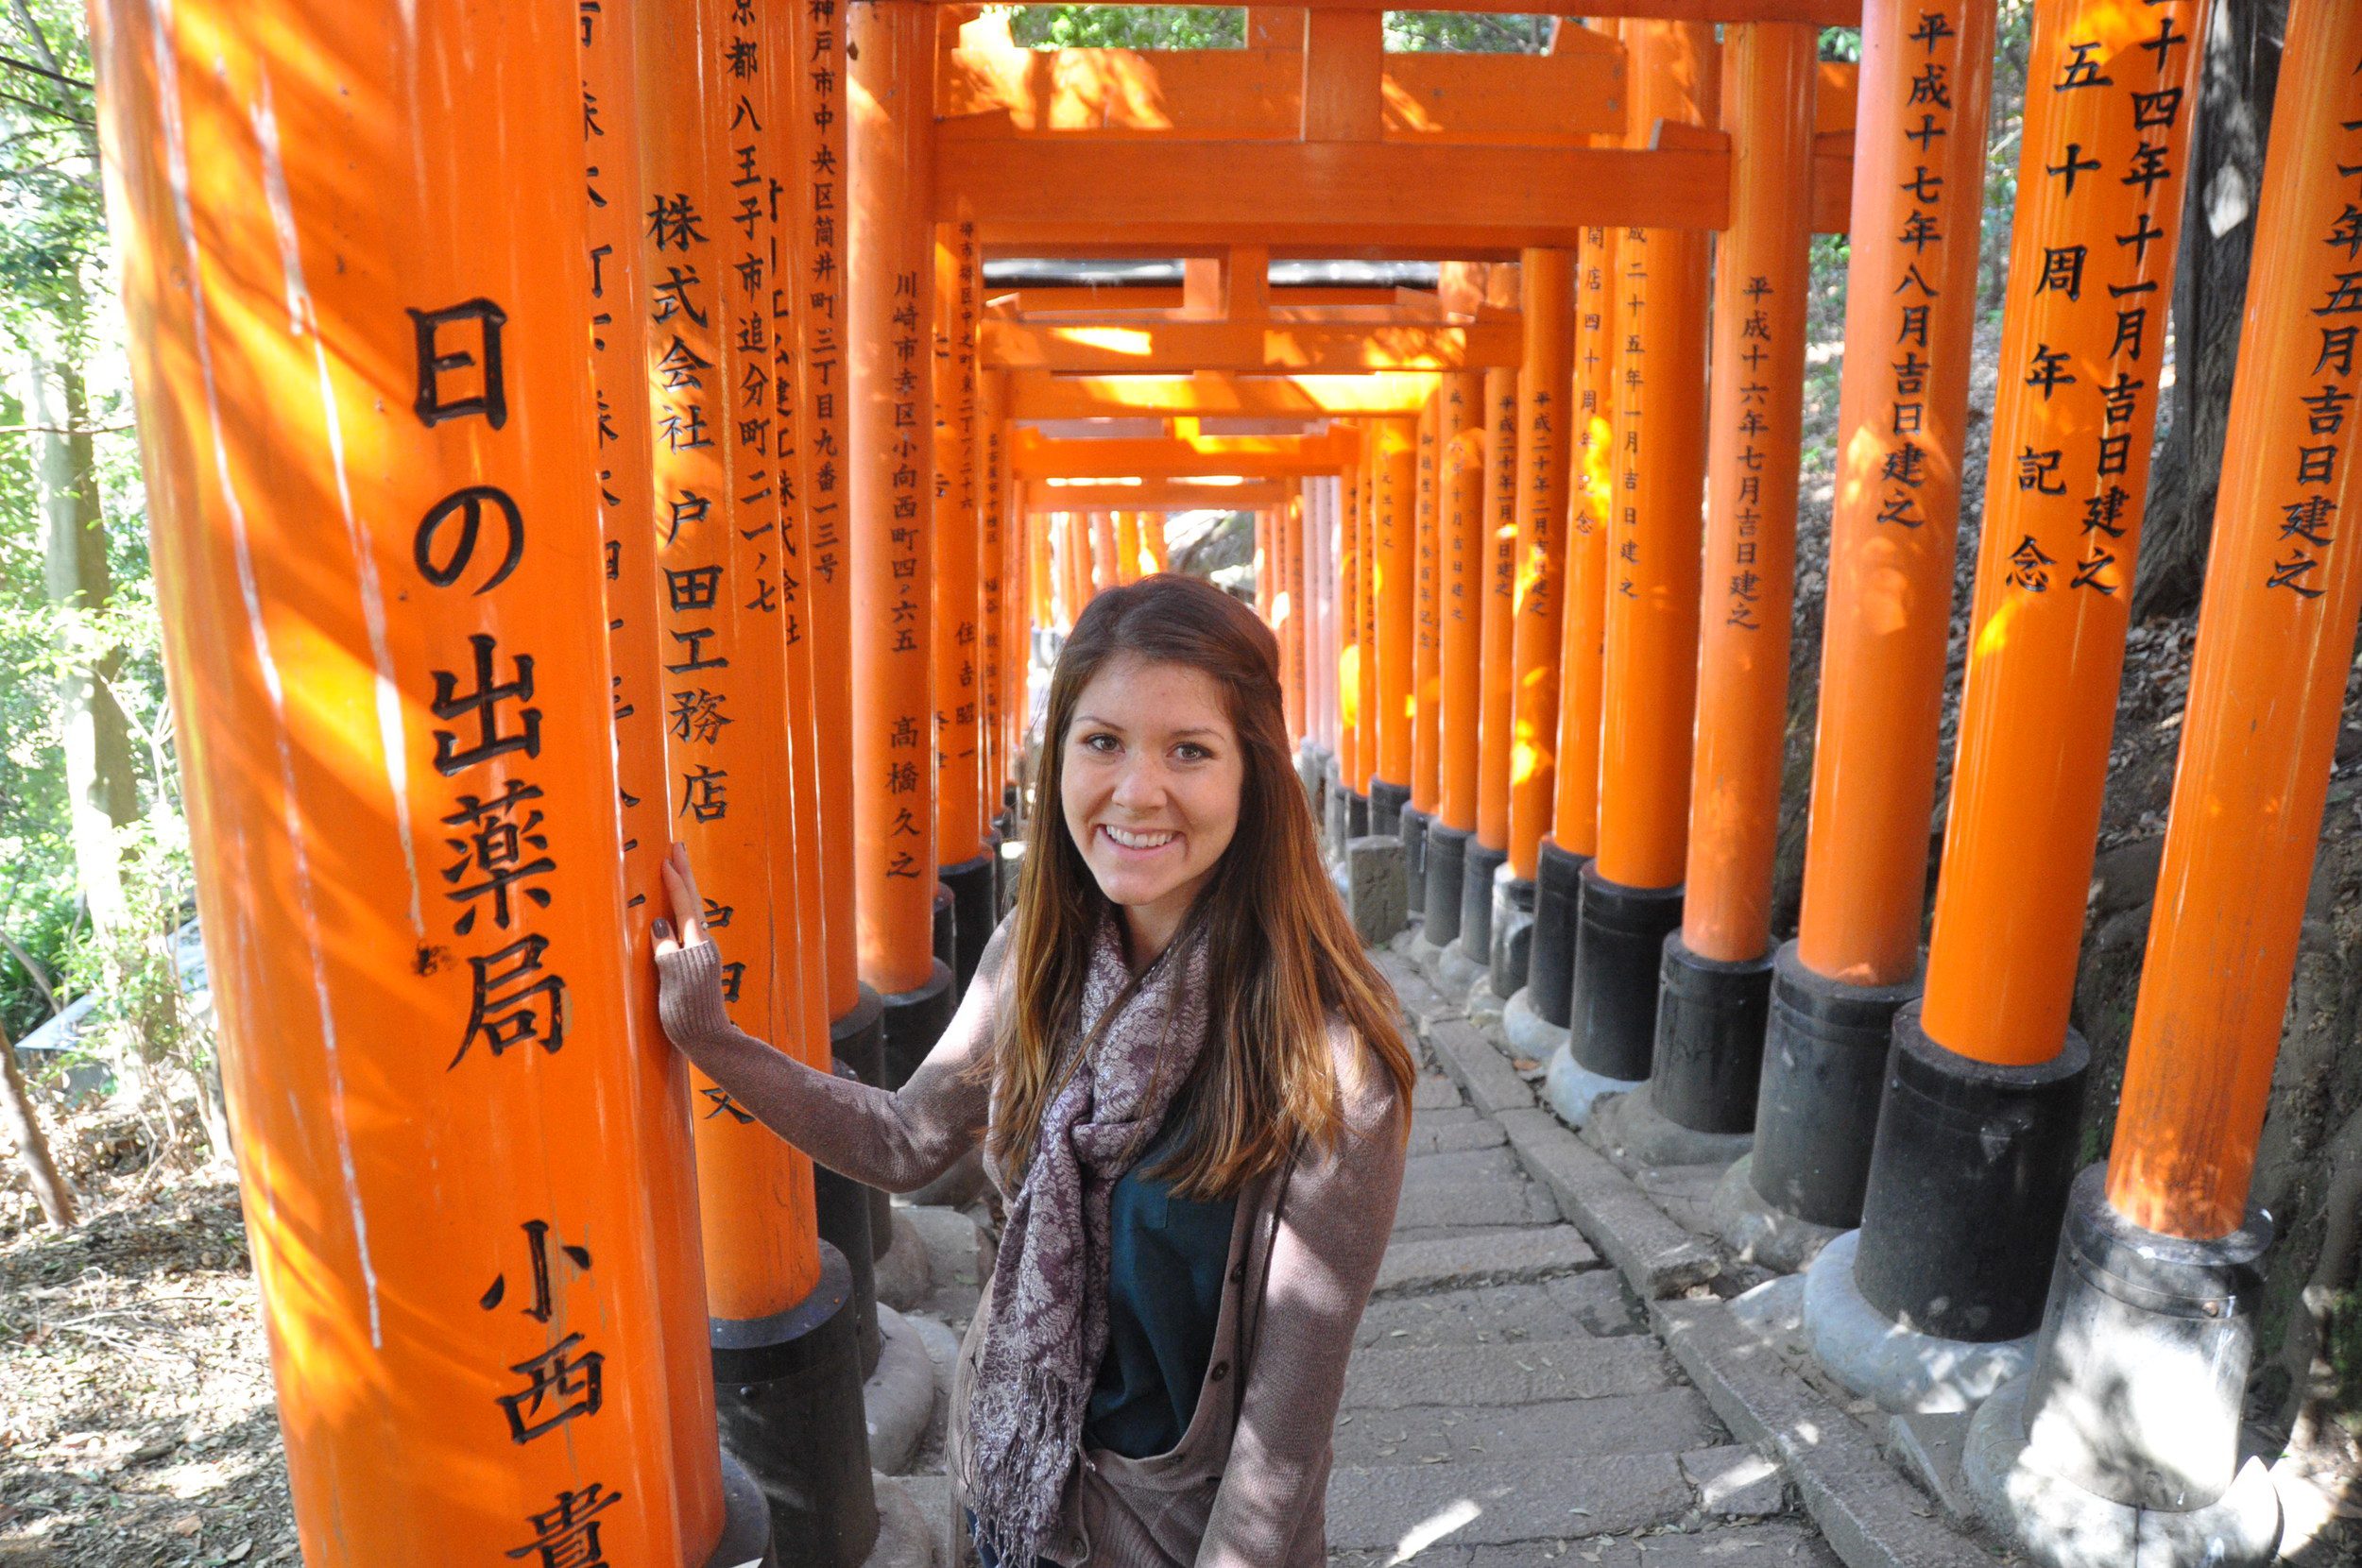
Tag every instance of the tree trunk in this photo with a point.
(32, 1145)
(100, 783)
(2235, 106)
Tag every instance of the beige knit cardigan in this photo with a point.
(1247, 1486)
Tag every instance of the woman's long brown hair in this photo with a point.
(1284, 959)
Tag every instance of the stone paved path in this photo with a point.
(1506, 1402)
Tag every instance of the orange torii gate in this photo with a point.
(802, 534)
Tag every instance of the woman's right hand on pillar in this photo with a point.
(688, 965)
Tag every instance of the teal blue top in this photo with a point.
(1165, 1261)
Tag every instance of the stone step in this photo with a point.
(1465, 1165)
(1454, 1115)
(1777, 1543)
(1413, 1235)
(1431, 1093)
(1543, 1498)
(1452, 1137)
(1671, 1421)
(1412, 1266)
(1594, 1303)
(1462, 1376)
(1500, 1203)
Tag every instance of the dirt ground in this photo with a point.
(136, 1423)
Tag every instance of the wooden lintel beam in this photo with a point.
(1349, 196)
(1175, 457)
(1039, 395)
(1119, 347)
(1045, 302)
(1158, 496)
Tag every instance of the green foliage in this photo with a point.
(1224, 27)
(139, 1014)
(52, 215)
(2342, 1349)
(57, 299)
(2014, 42)
(1467, 32)
(1128, 27)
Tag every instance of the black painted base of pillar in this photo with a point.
(1012, 800)
(1415, 826)
(1476, 901)
(1825, 1069)
(1968, 1186)
(1557, 907)
(1511, 944)
(1709, 1039)
(745, 1521)
(914, 1020)
(943, 934)
(974, 912)
(843, 1207)
(1620, 949)
(1357, 815)
(1446, 865)
(858, 1040)
(1386, 806)
(789, 1391)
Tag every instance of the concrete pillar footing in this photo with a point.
(1486, 1005)
(1757, 1230)
(1530, 1034)
(1428, 955)
(745, 1521)
(2059, 1524)
(908, 1535)
(1633, 1132)
(1572, 1088)
(1455, 972)
(900, 1397)
(1898, 1366)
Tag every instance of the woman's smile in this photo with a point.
(1137, 840)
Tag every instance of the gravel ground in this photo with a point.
(136, 1425)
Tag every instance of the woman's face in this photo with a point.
(1152, 779)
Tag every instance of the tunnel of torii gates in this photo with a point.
(673, 472)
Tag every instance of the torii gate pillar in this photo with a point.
(2131, 1418)
(1977, 1126)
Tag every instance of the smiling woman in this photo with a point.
(1189, 1084)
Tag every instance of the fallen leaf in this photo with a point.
(1524, 1063)
(237, 1553)
(188, 1523)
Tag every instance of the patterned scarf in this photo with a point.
(1048, 1330)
